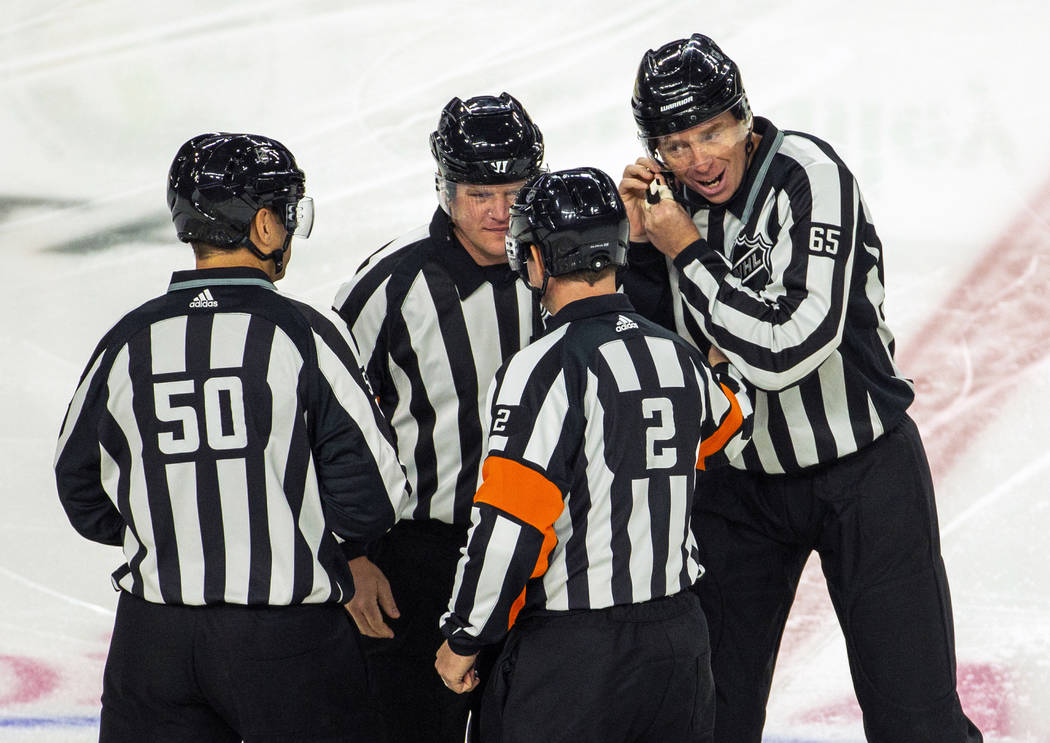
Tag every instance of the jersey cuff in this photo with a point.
(461, 645)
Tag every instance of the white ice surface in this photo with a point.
(937, 106)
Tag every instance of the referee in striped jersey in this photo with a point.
(767, 250)
(580, 542)
(434, 314)
(220, 435)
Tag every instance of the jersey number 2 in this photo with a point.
(660, 411)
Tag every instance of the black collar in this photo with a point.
(234, 276)
(589, 307)
(461, 268)
(737, 205)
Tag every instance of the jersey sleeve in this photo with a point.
(362, 304)
(512, 534)
(78, 460)
(362, 481)
(779, 334)
(727, 425)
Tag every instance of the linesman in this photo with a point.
(763, 245)
(434, 314)
(220, 434)
(580, 542)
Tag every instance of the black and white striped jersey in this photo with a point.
(597, 430)
(432, 327)
(220, 434)
(787, 280)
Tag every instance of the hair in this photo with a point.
(588, 276)
(204, 250)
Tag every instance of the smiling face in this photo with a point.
(709, 158)
(480, 216)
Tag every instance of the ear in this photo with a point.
(264, 228)
(536, 257)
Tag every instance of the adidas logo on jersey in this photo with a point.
(625, 323)
(204, 299)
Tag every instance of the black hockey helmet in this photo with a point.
(685, 83)
(218, 181)
(574, 217)
(486, 140)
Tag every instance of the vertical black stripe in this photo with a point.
(419, 406)
(576, 558)
(622, 503)
(295, 473)
(453, 325)
(259, 407)
(508, 324)
(659, 531)
(199, 328)
(813, 403)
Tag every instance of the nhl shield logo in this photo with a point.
(755, 256)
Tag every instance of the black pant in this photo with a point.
(419, 559)
(871, 516)
(633, 674)
(227, 673)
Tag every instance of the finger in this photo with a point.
(359, 619)
(375, 621)
(638, 172)
(369, 620)
(386, 599)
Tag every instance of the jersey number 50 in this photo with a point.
(224, 422)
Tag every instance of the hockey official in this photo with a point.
(760, 242)
(580, 543)
(220, 434)
(434, 314)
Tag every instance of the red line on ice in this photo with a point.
(972, 351)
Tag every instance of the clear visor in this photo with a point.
(684, 149)
(299, 217)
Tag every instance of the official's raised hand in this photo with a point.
(667, 224)
(636, 179)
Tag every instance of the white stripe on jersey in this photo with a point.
(668, 368)
(619, 361)
(182, 490)
(498, 557)
(168, 345)
(280, 524)
(229, 332)
(639, 526)
(548, 425)
(236, 522)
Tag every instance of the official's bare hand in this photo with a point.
(371, 594)
(636, 179)
(457, 671)
(669, 227)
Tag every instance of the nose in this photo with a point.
(702, 156)
(500, 210)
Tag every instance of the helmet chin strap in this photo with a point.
(277, 255)
(543, 289)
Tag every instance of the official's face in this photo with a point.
(710, 158)
(480, 217)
